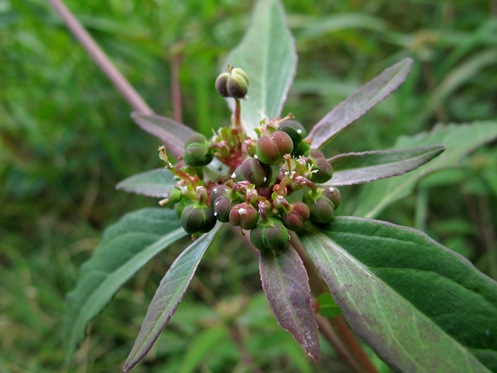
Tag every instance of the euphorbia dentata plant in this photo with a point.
(418, 305)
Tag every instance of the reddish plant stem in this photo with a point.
(101, 59)
(336, 331)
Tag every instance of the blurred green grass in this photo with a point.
(66, 138)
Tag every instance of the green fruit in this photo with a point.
(271, 149)
(321, 209)
(197, 218)
(181, 205)
(222, 208)
(197, 152)
(321, 164)
(293, 129)
(244, 215)
(295, 219)
(174, 195)
(237, 86)
(197, 139)
(301, 148)
(221, 84)
(218, 191)
(253, 171)
(197, 155)
(270, 236)
(243, 74)
(333, 194)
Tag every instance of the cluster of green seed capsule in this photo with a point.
(271, 186)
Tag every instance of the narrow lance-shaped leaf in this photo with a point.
(420, 306)
(359, 102)
(285, 282)
(167, 297)
(458, 140)
(359, 168)
(267, 54)
(173, 134)
(125, 248)
(154, 183)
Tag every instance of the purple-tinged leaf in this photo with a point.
(420, 306)
(359, 168)
(173, 134)
(167, 297)
(267, 54)
(458, 141)
(285, 282)
(125, 248)
(359, 102)
(154, 183)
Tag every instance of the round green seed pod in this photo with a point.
(218, 191)
(301, 148)
(270, 236)
(253, 171)
(237, 86)
(295, 219)
(321, 209)
(197, 139)
(222, 208)
(271, 149)
(197, 219)
(293, 129)
(197, 155)
(244, 215)
(221, 85)
(333, 194)
(174, 195)
(240, 72)
(323, 167)
(181, 205)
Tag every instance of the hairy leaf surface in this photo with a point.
(154, 183)
(171, 133)
(125, 248)
(359, 168)
(167, 297)
(267, 54)
(285, 282)
(458, 140)
(420, 306)
(359, 102)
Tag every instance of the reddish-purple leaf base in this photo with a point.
(286, 284)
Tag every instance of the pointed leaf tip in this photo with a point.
(286, 285)
(359, 102)
(168, 296)
(359, 168)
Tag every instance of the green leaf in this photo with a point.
(358, 168)
(170, 132)
(420, 306)
(125, 248)
(458, 140)
(327, 306)
(199, 349)
(154, 183)
(359, 102)
(267, 54)
(167, 297)
(285, 282)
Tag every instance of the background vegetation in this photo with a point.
(66, 138)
